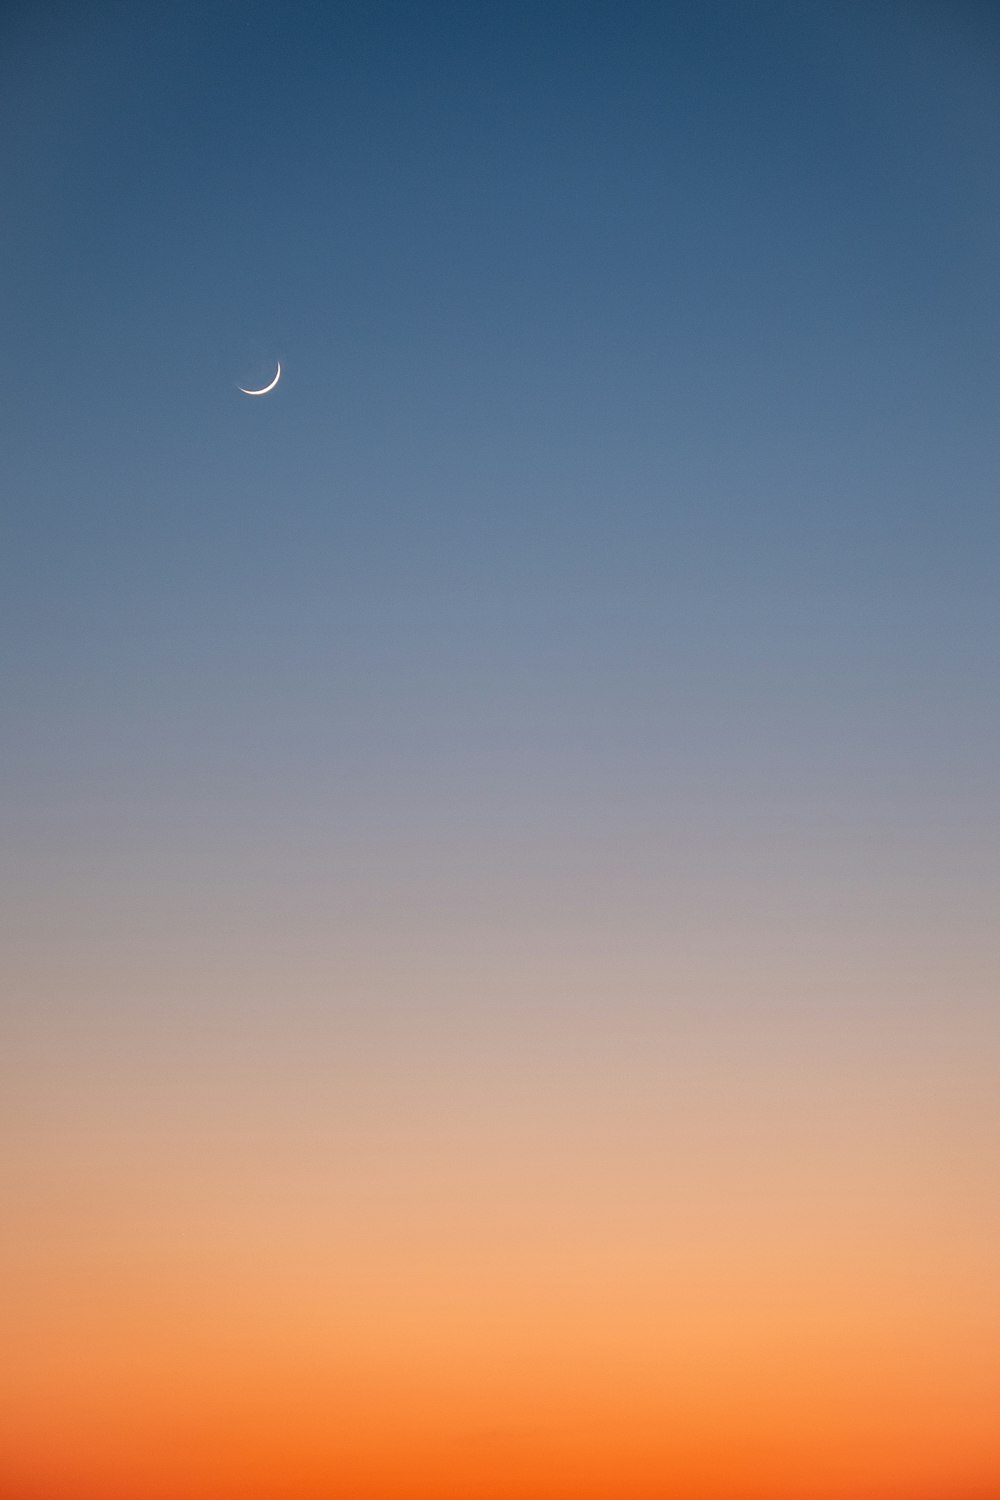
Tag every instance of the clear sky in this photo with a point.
(500, 835)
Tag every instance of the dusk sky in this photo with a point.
(500, 842)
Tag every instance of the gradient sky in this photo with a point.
(500, 837)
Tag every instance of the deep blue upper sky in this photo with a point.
(639, 409)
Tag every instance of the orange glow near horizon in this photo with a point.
(523, 1273)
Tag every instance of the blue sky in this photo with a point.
(638, 424)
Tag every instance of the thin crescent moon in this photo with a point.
(264, 388)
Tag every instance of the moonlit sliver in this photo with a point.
(264, 389)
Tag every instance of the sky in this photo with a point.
(500, 835)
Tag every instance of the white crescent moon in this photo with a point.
(264, 388)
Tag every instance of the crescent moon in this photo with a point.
(264, 388)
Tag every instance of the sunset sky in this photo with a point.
(500, 837)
